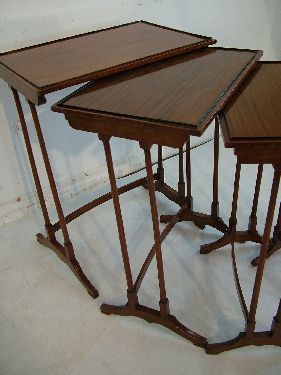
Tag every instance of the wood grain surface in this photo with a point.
(163, 102)
(256, 112)
(65, 62)
(181, 90)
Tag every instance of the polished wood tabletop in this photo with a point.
(163, 102)
(251, 122)
(256, 112)
(47, 67)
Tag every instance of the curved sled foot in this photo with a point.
(72, 264)
(227, 238)
(153, 316)
(200, 220)
(257, 338)
(272, 248)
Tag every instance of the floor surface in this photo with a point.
(50, 325)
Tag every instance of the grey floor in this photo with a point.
(50, 325)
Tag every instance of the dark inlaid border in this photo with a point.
(194, 129)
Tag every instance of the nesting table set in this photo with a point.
(157, 85)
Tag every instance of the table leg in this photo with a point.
(276, 323)
(215, 203)
(200, 219)
(249, 336)
(66, 252)
(48, 226)
(188, 198)
(232, 234)
(160, 185)
(132, 307)
(132, 300)
(181, 184)
(252, 227)
(275, 242)
(164, 302)
(160, 169)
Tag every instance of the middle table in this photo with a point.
(162, 103)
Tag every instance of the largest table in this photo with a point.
(41, 69)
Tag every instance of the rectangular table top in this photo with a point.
(44, 68)
(176, 97)
(251, 122)
(255, 114)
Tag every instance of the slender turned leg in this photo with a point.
(215, 203)
(188, 198)
(181, 184)
(275, 242)
(215, 220)
(276, 323)
(132, 300)
(228, 236)
(132, 307)
(277, 228)
(249, 336)
(231, 234)
(65, 252)
(252, 228)
(162, 187)
(198, 218)
(48, 226)
(160, 169)
(175, 196)
(69, 251)
(263, 251)
(233, 217)
(164, 303)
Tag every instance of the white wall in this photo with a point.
(78, 158)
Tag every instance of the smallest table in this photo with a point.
(251, 124)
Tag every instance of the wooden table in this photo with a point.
(162, 103)
(38, 70)
(251, 124)
(257, 124)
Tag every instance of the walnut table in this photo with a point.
(38, 70)
(162, 103)
(251, 124)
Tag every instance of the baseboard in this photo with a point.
(78, 185)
